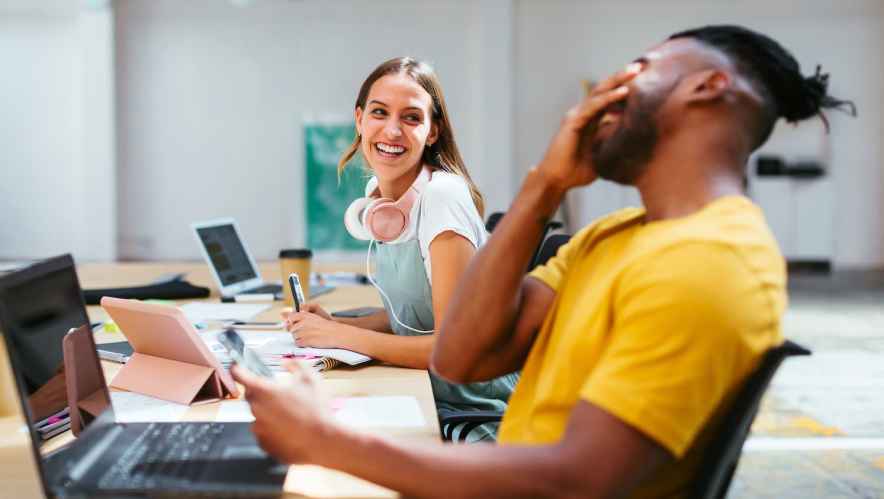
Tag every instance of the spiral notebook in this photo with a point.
(322, 363)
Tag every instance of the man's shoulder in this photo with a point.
(609, 222)
(733, 220)
(731, 226)
(707, 275)
(622, 216)
(725, 246)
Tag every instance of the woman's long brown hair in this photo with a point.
(442, 154)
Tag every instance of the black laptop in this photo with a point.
(38, 305)
(126, 459)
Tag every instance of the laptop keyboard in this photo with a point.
(167, 455)
(267, 288)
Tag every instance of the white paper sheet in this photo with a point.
(235, 410)
(131, 407)
(271, 345)
(394, 411)
(357, 412)
(205, 311)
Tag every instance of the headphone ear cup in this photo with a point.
(354, 218)
(385, 220)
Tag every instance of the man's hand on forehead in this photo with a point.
(564, 166)
(609, 92)
(618, 78)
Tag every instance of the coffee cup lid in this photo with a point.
(296, 253)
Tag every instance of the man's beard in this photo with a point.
(623, 156)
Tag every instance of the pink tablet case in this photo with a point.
(86, 389)
(169, 361)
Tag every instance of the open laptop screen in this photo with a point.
(226, 251)
(38, 305)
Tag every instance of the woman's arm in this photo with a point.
(449, 255)
(378, 321)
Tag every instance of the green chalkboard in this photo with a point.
(326, 199)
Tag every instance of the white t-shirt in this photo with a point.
(443, 205)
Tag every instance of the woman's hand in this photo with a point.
(292, 418)
(313, 308)
(565, 164)
(312, 330)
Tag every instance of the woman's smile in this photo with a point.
(388, 150)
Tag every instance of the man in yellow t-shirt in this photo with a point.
(638, 332)
(656, 323)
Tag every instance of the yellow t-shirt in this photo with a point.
(657, 324)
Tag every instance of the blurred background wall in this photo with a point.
(123, 122)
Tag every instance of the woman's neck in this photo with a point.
(395, 188)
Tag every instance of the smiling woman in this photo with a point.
(425, 214)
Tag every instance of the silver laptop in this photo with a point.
(231, 262)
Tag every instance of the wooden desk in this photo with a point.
(369, 380)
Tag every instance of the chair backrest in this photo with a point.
(540, 255)
(723, 452)
(493, 218)
(548, 249)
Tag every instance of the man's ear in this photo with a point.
(358, 117)
(707, 85)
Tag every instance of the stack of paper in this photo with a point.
(204, 311)
(55, 424)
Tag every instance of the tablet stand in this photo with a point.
(86, 390)
(169, 379)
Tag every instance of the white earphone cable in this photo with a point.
(384, 295)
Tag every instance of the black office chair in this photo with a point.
(450, 420)
(492, 221)
(548, 249)
(722, 455)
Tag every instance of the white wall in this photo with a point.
(212, 98)
(560, 43)
(57, 183)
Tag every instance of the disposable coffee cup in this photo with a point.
(295, 261)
